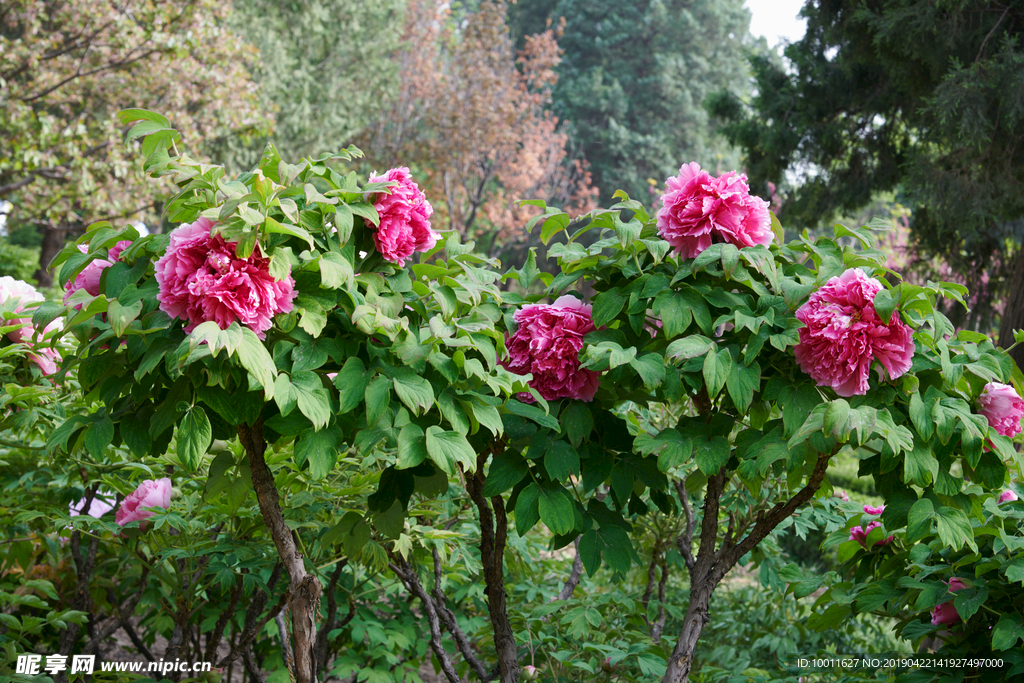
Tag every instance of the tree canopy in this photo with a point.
(880, 94)
(67, 66)
(634, 77)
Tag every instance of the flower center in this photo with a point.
(219, 262)
(855, 318)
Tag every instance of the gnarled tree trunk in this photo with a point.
(304, 588)
(1013, 316)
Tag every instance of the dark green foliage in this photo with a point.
(633, 79)
(898, 93)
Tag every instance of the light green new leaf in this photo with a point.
(335, 271)
(448, 448)
(255, 358)
(414, 391)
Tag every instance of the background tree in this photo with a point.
(902, 93)
(633, 79)
(67, 66)
(321, 66)
(471, 114)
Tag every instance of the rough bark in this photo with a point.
(1013, 316)
(53, 242)
(711, 565)
(493, 535)
(305, 588)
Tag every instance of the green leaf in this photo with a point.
(311, 398)
(533, 413)
(135, 435)
(121, 317)
(920, 417)
(711, 454)
(673, 311)
(885, 303)
(590, 551)
(919, 465)
(98, 436)
(834, 420)
(689, 347)
(414, 391)
(351, 382)
(954, 528)
(607, 305)
(968, 603)
(319, 449)
(527, 509)
(717, 367)
(378, 396)
(448, 448)
(553, 224)
(288, 229)
(194, 438)
(255, 358)
(742, 382)
(1008, 630)
(335, 271)
(412, 447)
(561, 461)
(557, 510)
(577, 422)
(651, 368)
(506, 470)
(919, 520)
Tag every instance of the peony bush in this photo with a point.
(285, 338)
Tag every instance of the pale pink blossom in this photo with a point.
(1007, 496)
(843, 496)
(98, 507)
(1002, 407)
(530, 671)
(698, 210)
(201, 278)
(89, 278)
(149, 494)
(404, 218)
(843, 335)
(946, 614)
(547, 345)
(22, 293)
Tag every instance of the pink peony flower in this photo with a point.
(872, 510)
(860, 534)
(149, 494)
(404, 218)
(946, 612)
(698, 210)
(842, 495)
(843, 335)
(89, 278)
(530, 671)
(1002, 407)
(201, 278)
(23, 293)
(547, 345)
(1007, 496)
